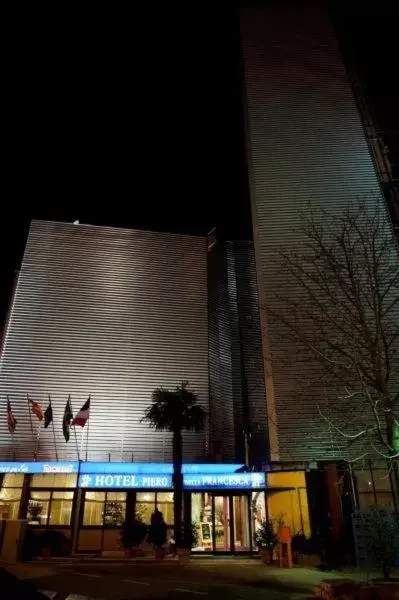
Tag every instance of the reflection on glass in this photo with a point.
(13, 480)
(222, 523)
(61, 508)
(241, 525)
(93, 508)
(54, 481)
(164, 502)
(258, 509)
(10, 495)
(38, 509)
(115, 509)
(9, 503)
(201, 519)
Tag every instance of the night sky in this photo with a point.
(135, 119)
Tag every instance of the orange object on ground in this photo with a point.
(284, 557)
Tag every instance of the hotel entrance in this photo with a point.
(221, 522)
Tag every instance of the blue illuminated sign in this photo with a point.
(154, 468)
(144, 475)
(236, 481)
(113, 481)
(39, 467)
(239, 481)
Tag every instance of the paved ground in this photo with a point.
(231, 578)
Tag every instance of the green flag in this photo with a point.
(66, 421)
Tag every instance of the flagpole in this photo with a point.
(12, 437)
(82, 437)
(31, 425)
(39, 428)
(52, 423)
(74, 429)
(88, 430)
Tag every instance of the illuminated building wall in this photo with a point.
(109, 312)
(237, 395)
(306, 145)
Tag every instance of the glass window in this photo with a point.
(115, 509)
(13, 480)
(38, 506)
(61, 508)
(364, 481)
(93, 508)
(145, 506)
(241, 524)
(382, 481)
(164, 503)
(10, 495)
(147, 501)
(366, 500)
(47, 507)
(63, 480)
(104, 508)
(258, 509)
(201, 519)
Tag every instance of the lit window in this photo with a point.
(47, 507)
(54, 481)
(145, 506)
(10, 495)
(104, 508)
(146, 502)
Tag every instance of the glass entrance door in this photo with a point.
(221, 522)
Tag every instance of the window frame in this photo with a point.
(13, 487)
(156, 502)
(104, 502)
(47, 525)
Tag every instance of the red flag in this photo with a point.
(82, 415)
(11, 420)
(36, 409)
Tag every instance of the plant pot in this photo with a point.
(183, 555)
(128, 552)
(159, 552)
(284, 534)
(266, 555)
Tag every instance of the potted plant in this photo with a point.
(132, 535)
(157, 537)
(53, 543)
(184, 542)
(266, 540)
(306, 550)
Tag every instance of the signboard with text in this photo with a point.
(234, 481)
(39, 467)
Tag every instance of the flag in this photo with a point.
(11, 420)
(83, 414)
(48, 415)
(66, 421)
(36, 409)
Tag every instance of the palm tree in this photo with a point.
(176, 411)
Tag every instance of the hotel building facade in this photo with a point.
(114, 313)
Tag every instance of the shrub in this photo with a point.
(265, 536)
(381, 531)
